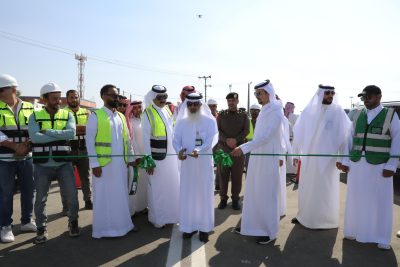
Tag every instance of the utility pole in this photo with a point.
(230, 88)
(81, 77)
(205, 85)
(248, 97)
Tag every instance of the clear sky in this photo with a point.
(296, 44)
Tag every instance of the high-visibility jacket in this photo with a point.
(57, 148)
(374, 138)
(81, 118)
(16, 131)
(250, 136)
(158, 134)
(103, 142)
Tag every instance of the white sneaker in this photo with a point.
(398, 234)
(350, 237)
(7, 235)
(29, 227)
(384, 246)
(158, 226)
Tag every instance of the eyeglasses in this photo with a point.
(196, 104)
(162, 97)
(366, 97)
(115, 96)
(257, 94)
(122, 105)
(328, 92)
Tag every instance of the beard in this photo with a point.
(194, 117)
(113, 103)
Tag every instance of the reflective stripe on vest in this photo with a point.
(57, 148)
(103, 142)
(81, 117)
(16, 132)
(373, 138)
(158, 134)
(250, 136)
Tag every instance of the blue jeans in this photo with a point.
(24, 172)
(43, 176)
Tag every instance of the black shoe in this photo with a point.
(74, 229)
(88, 205)
(188, 235)
(263, 240)
(145, 211)
(235, 205)
(295, 221)
(41, 235)
(222, 205)
(237, 230)
(135, 229)
(203, 237)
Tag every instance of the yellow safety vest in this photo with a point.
(57, 148)
(250, 136)
(16, 132)
(158, 134)
(81, 117)
(103, 142)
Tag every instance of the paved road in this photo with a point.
(295, 245)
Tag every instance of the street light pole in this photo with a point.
(351, 102)
(230, 88)
(248, 97)
(205, 85)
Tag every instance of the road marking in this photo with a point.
(175, 248)
(198, 257)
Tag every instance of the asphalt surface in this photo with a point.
(295, 245)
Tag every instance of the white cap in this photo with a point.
(7, 81)
(50, 88)
(212, 102)
(255, 106)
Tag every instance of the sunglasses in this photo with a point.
(162, 97)
(257, 94)
(115, 96)
(196, 104)
(366, 97)
(328, 92)
(122, 105)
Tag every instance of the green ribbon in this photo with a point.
(146, 162)
(222, 159)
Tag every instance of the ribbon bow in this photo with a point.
(223, 159)
(146, 162)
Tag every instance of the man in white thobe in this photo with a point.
(196, 133)
(163, 186)
(111, 216)
(369, 204)
(261, 204)
(138, 200)
(322, 128)
(286, 160)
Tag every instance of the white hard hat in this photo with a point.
(7, 81)
(50, 88)
(255, 106)
(212, 102)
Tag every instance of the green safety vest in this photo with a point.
(103, 142)
(158, 134)
(250, 136)
(16, 132)
(57, 148)
(373, 138)
(81, 118)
